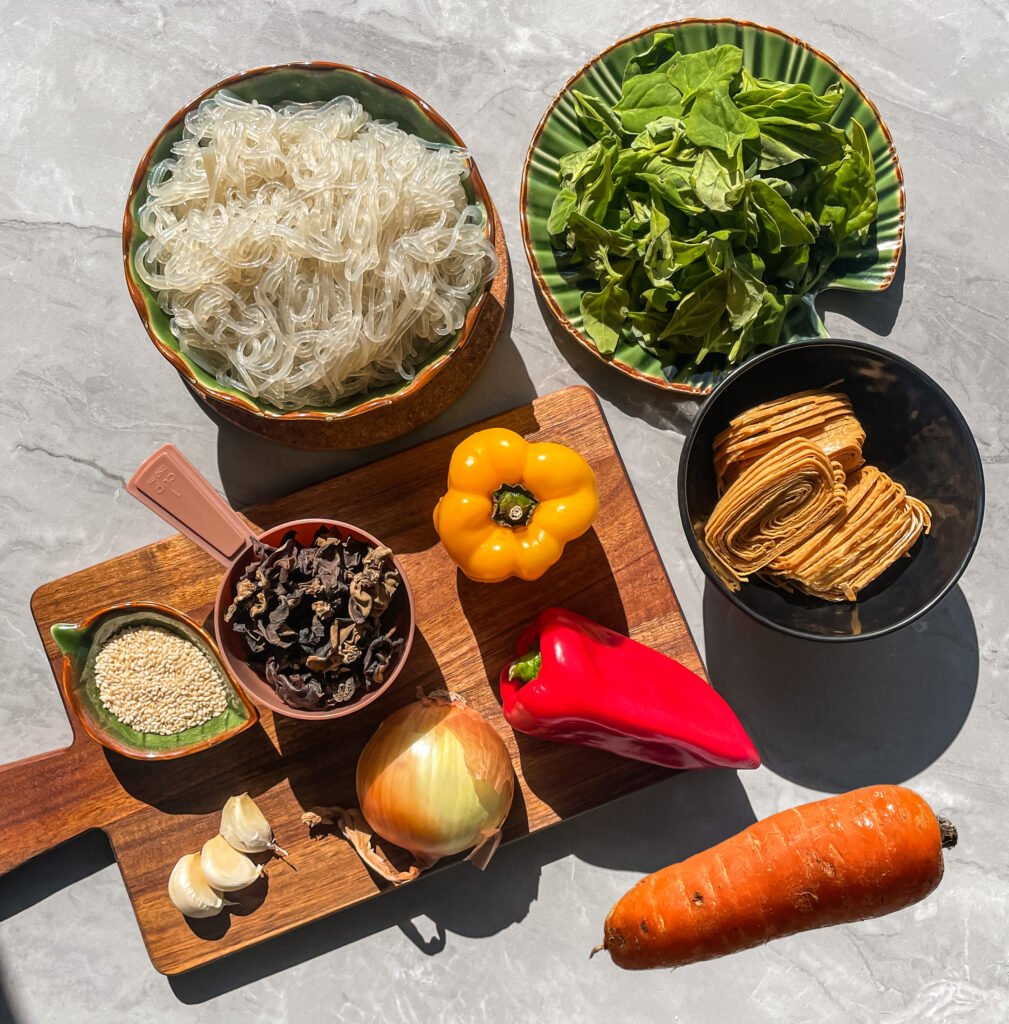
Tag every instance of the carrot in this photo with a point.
(847, 858)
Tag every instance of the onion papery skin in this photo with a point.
(435, 779)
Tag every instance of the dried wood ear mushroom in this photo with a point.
(315, 617)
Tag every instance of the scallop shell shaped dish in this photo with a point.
(767, 53)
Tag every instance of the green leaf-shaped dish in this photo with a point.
(312, 82)
(768, 53)
(80, 646)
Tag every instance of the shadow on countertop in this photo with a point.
(654, 827)
(667, 410)
(50, 872)
(670, 410)
(43, 876)
(835, 717)
(664, 823)
(876, 311)
(254, 469)
(6, 1010)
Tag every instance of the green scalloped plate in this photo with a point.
(769, 53)
(309, 82)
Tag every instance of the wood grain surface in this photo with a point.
(155, 813)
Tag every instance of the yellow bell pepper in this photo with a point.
(511, 506)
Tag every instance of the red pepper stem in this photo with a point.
(526, 668)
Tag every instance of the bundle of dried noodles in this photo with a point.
(880, 524)
(780, 500)
(823, 417)
(799, 506)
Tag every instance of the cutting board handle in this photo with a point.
(50, 798)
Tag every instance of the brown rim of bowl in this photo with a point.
(126, 607)
(276, 705)
(541, 284)
(425, 375)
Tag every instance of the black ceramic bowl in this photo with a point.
(914, 432)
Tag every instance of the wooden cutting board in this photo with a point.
(155, 813)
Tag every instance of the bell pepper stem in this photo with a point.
(513, 505)
(526, 668)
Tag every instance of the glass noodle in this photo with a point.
(309, 253)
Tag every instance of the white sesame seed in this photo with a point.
(157, 681)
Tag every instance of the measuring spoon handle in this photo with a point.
(174, 489)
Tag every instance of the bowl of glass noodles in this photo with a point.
(310, 246)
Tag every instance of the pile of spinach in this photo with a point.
(708, 204)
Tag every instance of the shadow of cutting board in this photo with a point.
(155, 813)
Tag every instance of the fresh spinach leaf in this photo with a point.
(596, 116)
(718, 180)
(695, 73)
(777, 153)
(708, 203)
(659, 133)
(791, 271)
(577, 165)
(673, 185)
(588, 231)
(604, 313)
(744, 295)
(645, 99)
(660, 53)
(598, 187)
(797, 101)
(791, 230)
(700, 309)
(563, 206)
(716, 122)
(822, 143)
(685, 253)
(660, 296)
(845, 203)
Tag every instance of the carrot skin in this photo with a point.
(850, 857)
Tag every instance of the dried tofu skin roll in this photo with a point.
(823, 417)
(774, 505)
(881, 523)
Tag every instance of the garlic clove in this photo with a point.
(190, 891)
(244, 826)
(225, 868)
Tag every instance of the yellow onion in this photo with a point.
(436, 779)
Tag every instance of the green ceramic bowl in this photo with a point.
(767, 53)
(80, 645)
(317, 81)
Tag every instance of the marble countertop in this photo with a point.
(86, 397)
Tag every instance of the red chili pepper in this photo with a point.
(575, 681)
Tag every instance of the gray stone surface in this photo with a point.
(85, 397)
